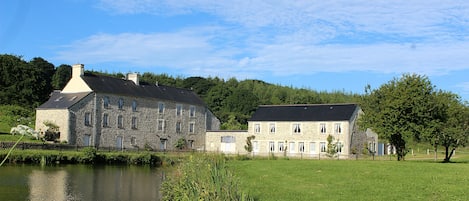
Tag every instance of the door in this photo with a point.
(119, 142)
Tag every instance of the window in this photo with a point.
(120, 121)
(105, 120)
(106, 102)
(323, 146)
(272, 127)
(337, 128)
(87, 119)
(322, 127)
(312, 147)
(255, 146)
(292, 147)
(160, 108)
(192, 111)
(296, 128)
(228, 139)
(257, 128)
(134, 122)
(191, 127)
(190, 144)
(133, 141)
(163, 144)
(281, 147)
(160, 126)
(301, 147)
(271, 146)
(120, 103)
(178, 127)
(134, 106)
(86, 140)
(178, 109)
(339, 147)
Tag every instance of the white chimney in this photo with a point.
(78, 70)
(133, 77)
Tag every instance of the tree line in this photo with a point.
(404, 109)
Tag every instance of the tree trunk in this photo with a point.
(448, 154)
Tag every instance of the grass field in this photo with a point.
(353, 179)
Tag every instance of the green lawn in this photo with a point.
(352, 179)
(14, 138)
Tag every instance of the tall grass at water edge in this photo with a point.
(203, 177)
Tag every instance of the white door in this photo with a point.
(312, 147)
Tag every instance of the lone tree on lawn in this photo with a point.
(248, 145)
(400, 110)
(451, 128)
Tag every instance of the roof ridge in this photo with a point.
(313, 104)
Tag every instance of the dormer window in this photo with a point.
(120, 103)
(134, 106)
(106, 102)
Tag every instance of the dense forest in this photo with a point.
(27, 84)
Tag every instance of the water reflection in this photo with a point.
(79, 182)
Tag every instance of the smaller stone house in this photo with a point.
(298, 131)
(102, 111)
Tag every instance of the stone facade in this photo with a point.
(120, 120)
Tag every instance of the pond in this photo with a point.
(79, 182)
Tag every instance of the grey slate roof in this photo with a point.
(62, 101)
(317, 112)
(110, 85)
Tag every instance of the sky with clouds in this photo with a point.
(321, 45)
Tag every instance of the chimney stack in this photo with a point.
(78, 70)
(133, 77)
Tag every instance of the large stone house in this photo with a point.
(298, 130)
(102, 111)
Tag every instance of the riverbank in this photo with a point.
(90, 156)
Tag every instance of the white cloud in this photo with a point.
(290, 37)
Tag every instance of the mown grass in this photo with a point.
(14, 138)
(352, 179)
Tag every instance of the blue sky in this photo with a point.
(320, 45)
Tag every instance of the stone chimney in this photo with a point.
(78, 70)
(133, 77)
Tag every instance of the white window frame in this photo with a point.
(272, 127)
(281, 146)
(338, 128)
(323, 128)
(160, 125)
(271, 146)
(301, 147)
(120, 103)
(88, 119)
(323, 147)
(178, 109)
(106, 101)
(134, 123)
(120, 121)
(133, 141)
(296, 128)
(255, 146)
(257, 128)
(134, 106)
(161, 107)
(192, 111)
(105, 120)
(178, 127)
(191, 127)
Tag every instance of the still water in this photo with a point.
(79, 182)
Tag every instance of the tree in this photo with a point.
(62, 75)
(399, 110)
(331, 147)
(248, 147)
(450, 129)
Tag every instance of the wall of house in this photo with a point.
(310, 133)
(59, 117)
(234, 141)
(146, 133)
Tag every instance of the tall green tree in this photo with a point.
(400, 110)
(62, 75)
(450, 128)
